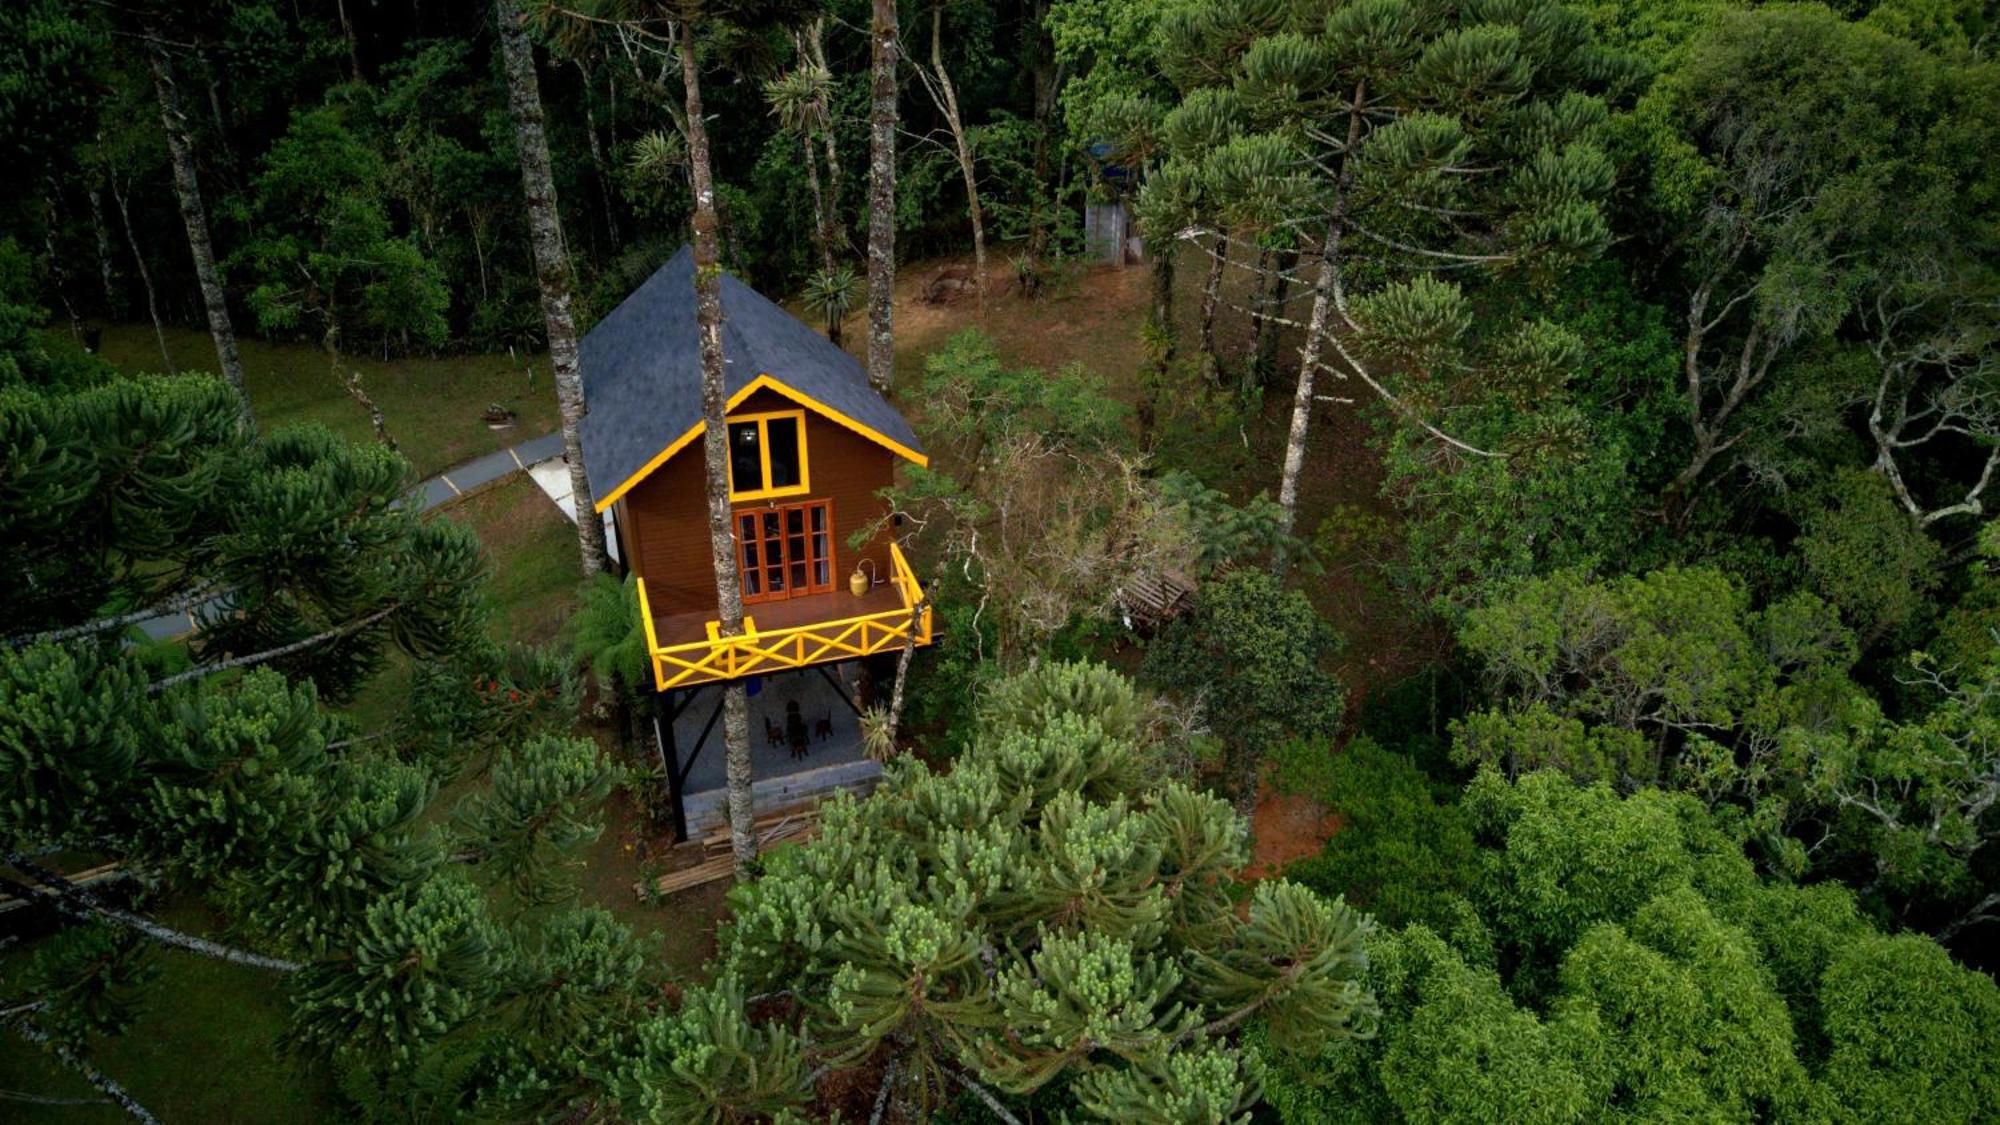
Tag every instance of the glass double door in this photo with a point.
(785, 550)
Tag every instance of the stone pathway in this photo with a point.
(438, 490)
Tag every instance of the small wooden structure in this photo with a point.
(1150, 602)
(811, 447)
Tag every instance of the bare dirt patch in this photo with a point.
(1286, 827)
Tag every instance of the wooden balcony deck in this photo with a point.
(688, 628)
(795, 633)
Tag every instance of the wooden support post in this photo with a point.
(670, 758)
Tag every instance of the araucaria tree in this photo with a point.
(230, 782)
(1414, 149)
(1047, 919)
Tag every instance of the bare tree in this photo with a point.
(882, 196)
(937, 81)
(139, 259)
(195, 216)
(524, 101)
(1743, 315)
(1939, 358)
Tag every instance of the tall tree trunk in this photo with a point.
(816, 44)
(1163, 295)
(715, 457)
(1302, 397)
(1211, 299)
(903, 667)
(102, 230)
(822, 214)
(195, 217)
(597, 161)
(1260, 307)
(58, 273)
(882, 197)
(1044, 81)
(524, 101)
(145, 273)
(347, 32)
(1325, 291)
(1284, 262)
(946, 96)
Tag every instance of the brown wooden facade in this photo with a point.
(663, 520)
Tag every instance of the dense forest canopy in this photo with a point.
(1489, 610)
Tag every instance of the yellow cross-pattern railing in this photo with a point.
(754, 652)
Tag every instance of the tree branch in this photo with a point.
(176, 604)
(322, 637)
(79, 903)
(91, 1074)
(984, 1095)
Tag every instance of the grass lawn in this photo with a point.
(204, 1049)
(430, 405)
(533, 566)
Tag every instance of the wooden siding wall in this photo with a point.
(664, 518)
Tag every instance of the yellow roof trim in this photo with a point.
(763, 382)
(811, 403)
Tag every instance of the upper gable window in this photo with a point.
(767, 455)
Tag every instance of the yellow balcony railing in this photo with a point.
(755, 652)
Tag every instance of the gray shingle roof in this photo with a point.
(642, 370)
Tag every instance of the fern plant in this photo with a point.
(607, 635)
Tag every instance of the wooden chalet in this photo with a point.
(811, 443)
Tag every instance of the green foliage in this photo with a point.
(1046, 513)
(326, 262)
(68, 743)
(972, 399)
(1044, 917)
(1255, 654)
(1672, 678)
(1401, 853)
(1035, 699)
(831, 296)
(1231, 532)
(1668, 654)
(314, 548)
(709, 1063)
(542, 805)
(421, 965)
(486, 697)
(1620, 952)
(100, 480)
(1861, 552)
(608, 635)
(85, 978)
(1907, 1027)
(231, 779)
(1577, 389)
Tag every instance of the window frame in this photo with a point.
(763, 421)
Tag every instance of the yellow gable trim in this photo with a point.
(763, 382)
